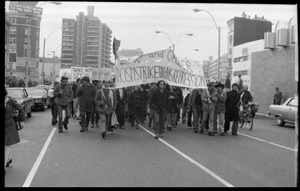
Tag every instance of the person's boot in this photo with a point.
(82, 129)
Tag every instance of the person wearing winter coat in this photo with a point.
(232, 109)
(121, 95)
(172, 109)
(151, 108)
(209, 99)
(186, 113)
(106, 98)
(64, 95)
(86, 95)
(11, 131)
(137, 103)
(195, 105)
(219, 114)
(160, 100)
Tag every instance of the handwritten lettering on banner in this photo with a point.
(191, 65)
(160, 65)
(79, 72)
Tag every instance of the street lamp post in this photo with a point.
(43, 65)
(28, 51)
(53, 67)
(219, 38)
(174, 45)
(55, 3)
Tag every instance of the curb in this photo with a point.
(264, 115)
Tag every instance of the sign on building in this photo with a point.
(15, 6)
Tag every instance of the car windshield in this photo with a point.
(36, 92)
(293, 102)
(16, 93)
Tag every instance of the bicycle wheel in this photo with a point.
(249, 121)
(241, 121)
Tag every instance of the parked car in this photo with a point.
(22, 97)
(40, 98)
(285, 113)
(48, 90)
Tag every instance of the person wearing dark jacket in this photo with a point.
(150, 93)
(121, 95)
(232, 109)
(64, 95)
(277, 97)
(54, 108)
(95, 117)
(186, 111)
(75, 89)
(172, 109)
(178, 92)
(137, 103)
(159, 100)
(11, 131)
(86, 95)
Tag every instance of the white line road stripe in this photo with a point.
(192, 160)
(38, 160)
(267, 142)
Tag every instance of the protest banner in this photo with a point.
(191, 65)
(125, 60)
(102, 73)
(79, 72)
(155, 66)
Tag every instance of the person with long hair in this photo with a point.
(11, 131)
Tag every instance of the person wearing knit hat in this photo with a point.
(220, 108)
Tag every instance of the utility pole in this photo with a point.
(28, 52)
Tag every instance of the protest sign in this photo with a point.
(79, 72)
(125, 60)
(159, 65)
(191, 65)
(102, 73)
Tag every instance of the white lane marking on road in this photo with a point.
(38, 160)
(192, 160)
(267, 142)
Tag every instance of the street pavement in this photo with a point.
(263, 157)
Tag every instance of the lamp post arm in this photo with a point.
(52, 32)
(212, 18)
(179, 38)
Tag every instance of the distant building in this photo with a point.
(85, 41)
(244, 29)
(213, 69)
(51, 67)
(130, 52)
(7, 64)
(22, 26)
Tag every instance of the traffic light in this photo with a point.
(12, 57)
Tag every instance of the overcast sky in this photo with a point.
(134, 24)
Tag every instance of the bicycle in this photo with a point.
(246, 117)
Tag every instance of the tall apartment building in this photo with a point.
(213, 68)
(24, 26)
(85, 41)
(7, 65)
(244, 29)
(130, 52)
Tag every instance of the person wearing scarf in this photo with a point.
(106, 97)
(86, 95)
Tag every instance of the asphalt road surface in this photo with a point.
(263, 157)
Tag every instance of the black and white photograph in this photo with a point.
(151, 94)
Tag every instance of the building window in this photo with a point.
(27, 22)
(25, 41)
(12, 31)
(26, 31)
(240, 59)
(13, 21)
(12, 40)
(13, 50)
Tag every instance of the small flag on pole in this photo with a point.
(116, 45)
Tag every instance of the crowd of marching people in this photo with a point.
(208, 109)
